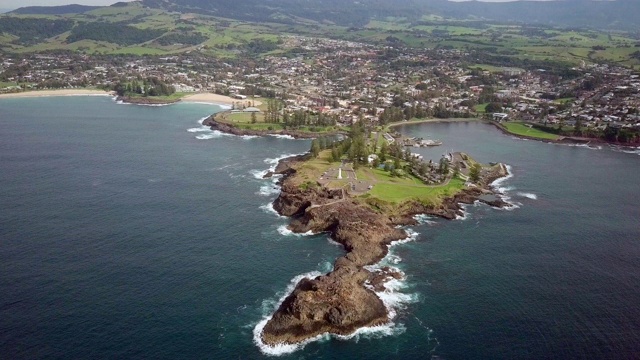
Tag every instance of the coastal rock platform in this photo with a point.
(344, 300)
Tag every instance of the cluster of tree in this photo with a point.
(113, 33)
(272, 115)
(194, 38)
(396, 113)
(493, 107)
(474, 172)
(147, 87)
(354, 146)
(31, 30)
(54, 10)
(304, 118)
(259, 46)
(322, 143)
(610, 133)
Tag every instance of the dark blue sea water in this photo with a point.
(132, 232)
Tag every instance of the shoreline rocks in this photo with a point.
(231, 129)
(145, 100)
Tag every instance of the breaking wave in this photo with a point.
(424, 219)
(528, 195)
(214, 135)
(498, 184)
(284, 231)
(268, 190)
(289, 137)
(465, 213)
(268, 208)
(626, 150)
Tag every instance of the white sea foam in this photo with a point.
(586, 146)
(393, 296)
(270, 306)
(504, 191)
(626, 150)
(497, 182)
(249, 137)
(325, 267)
(200, 129)
(284, 231)
(213, 135)
(465, 213)
(333, 242)
(289, 137)
(512, 205)
(259, 174)
(268, 208)
(275, 161)
(412, 235)
(528, 195)
(424, 219)
(268, 190)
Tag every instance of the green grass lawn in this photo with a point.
(563, 100)
(518, 128)
(481, 108)
(4, 84)
(397, 193)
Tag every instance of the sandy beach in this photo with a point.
(61, 92)
(215, 99)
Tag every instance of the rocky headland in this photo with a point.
(142, 100)
(345, 299)
(228, 128)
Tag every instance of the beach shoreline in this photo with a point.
(209, 98)
(59, 92)
(216, 99)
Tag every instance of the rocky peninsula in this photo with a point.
(344, 300)
(215, 124)
(146, 100)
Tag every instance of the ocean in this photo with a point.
(134, 232)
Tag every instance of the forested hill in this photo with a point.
(54, 10)
(616, 14)
(619, 14)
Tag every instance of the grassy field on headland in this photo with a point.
(389, 190)
(521, 129)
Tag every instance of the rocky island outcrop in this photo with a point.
(345, 299)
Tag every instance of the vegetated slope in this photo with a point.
(619, 14)
(54, 10)
(113, 32)
(33, 30)
(350, 13)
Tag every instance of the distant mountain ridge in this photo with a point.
(617, 14)
(601, 14)
(54, 10)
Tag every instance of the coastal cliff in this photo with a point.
(345, 299)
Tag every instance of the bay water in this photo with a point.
(134, 232)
